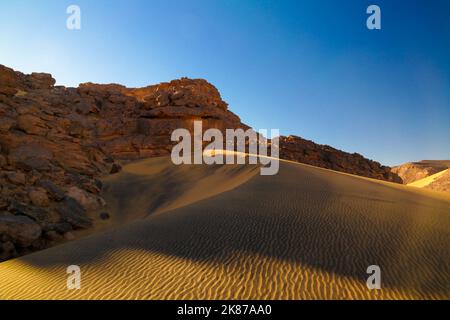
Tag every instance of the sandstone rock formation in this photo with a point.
(57, 142)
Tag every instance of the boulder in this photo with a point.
(104, 216)
(40, 81)
(7, 250)
(6, 124)
(53, 236)
(38, 197)
(69, 236)
(115, 168)
(59, 227)
(21, 230)
(53, 190)
(87, 200)
(73, 213)
(38, 214)
(3, 161)
(31, 124)
(16, 177)
(10, 81)
(31, 156)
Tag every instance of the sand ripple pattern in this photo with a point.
(306, 233)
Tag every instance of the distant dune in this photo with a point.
(225, 232)
(422, 183)
(429, 174)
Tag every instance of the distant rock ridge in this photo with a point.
(57, 142)
(300, 150)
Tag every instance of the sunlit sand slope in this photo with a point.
(305, 233)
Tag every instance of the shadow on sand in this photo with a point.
(328, 221)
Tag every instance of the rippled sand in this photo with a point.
(228, 233)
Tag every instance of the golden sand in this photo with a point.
(225, 232)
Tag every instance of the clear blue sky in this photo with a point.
(309, 68)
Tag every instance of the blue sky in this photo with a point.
(309, 68)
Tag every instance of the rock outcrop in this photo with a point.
(305, 151)
(57, 142)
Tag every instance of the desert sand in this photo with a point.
(225, 232)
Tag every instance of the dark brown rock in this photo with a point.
(73, 213)
(53, 236)
(38, 197)
(115, 168)
(55, 192)
(21, 230)
(40, 81)
(60, 227)
(7, 250)
(6, 124)
(104, 216)
(16, 177)
(31, 124)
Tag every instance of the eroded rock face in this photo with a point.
(56, 142)
(300, 150)
(137, 123)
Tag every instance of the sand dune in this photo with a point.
(155, 185)
(228, 233)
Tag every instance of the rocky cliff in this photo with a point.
(56, 142)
